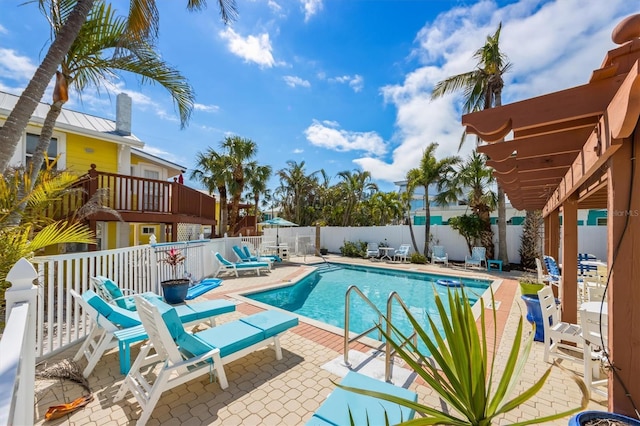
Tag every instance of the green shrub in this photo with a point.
(418, 258)
(354, 249)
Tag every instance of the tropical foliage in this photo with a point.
(36, 229)
(461, 367)
(530, 246)
(482, 89)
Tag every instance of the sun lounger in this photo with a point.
(234, 267)
(114, 326)
(342, 405)
(184, 356)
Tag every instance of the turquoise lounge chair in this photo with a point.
(244, 255)
(225, 265)
(112, 293)
(272, 257)
(184, 356)
(109, 320)
(343, 406)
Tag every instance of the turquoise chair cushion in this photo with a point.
(191, 345)
(203, 310)
(271, 322)
(364, 409)
(117, 315)
(170, 317)
(116, 294)
(243, 265)
(231, 337)
(241, 255)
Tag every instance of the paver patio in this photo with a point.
(264, 391)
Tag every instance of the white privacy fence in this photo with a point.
(591, 239)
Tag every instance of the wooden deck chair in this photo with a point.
(107, 319)
(183, 356)
(556, 332)
(234, 267)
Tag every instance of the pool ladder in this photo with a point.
(389, 351)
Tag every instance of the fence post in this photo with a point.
(22, 291)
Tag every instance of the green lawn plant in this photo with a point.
(462, 369)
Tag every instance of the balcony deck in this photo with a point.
(269, 392)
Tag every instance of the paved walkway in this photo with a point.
(264, 391)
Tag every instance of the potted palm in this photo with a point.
(174, 289)
(461, 367)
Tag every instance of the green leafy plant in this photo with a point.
(354, 249)
(416, 257)
(462, 368)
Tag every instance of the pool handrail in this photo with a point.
(389, 351)
(348, 340)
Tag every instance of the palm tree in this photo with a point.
(85, 65)
(213, 171)
(238, 151)
(143, 20)
(385, 207)
(257, 179)
(431, 171)
(354, 186)
(476, 178)
(483, 89)
(406, 198)
(294, 191)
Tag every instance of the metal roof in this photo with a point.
(72, 121)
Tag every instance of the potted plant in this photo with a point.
(461, 367)
(600, 417)
(529, 287)
(175, 289)
(323, 251)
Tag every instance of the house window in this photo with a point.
(601, 221)
(32, 142)
(148, 230)
(151, 198)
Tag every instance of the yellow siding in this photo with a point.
(112, 232)
(82, 151)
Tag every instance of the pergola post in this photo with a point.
(552, 234)
(569, 288)
(623, 291)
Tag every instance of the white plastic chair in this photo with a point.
(556, 331)
(373, 250)
(402, 253)
(439, 255)
(594, 334)
(478, 255)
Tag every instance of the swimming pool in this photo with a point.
(321, 295)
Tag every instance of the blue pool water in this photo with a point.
(321, 295)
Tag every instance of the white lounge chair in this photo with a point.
(402, 253)
(373, 250)
(556, 332)
(478, 256)
(181, 356)
(108, 319)
(439, 255)
(234, 267)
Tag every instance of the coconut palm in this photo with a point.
(295, 191)
(406, 198)
(102, 48)
(257, 178)
(213, 172)
(354, 187)
(482, 90)
(431, 171)
(143, 21)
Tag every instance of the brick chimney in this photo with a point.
(123, 114)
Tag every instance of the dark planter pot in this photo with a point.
(581, 418)
(175, 291)
(323, 251)
(534, 315)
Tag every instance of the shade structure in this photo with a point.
(277, 222)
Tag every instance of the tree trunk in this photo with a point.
(18, 119)
(427, 224)
(223, 209)
(413, 237)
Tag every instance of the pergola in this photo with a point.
(576, 149)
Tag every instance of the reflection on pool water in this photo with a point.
(321, 295)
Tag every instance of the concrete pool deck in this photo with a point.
(264, 391)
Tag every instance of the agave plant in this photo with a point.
(463, 372)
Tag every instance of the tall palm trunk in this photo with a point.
(43, 141)
(427, 223)
(19, 117)
(222, 190)
(502, 210)
(413, 237)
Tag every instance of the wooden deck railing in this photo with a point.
(131, 194)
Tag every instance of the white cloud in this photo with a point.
(256, 49)
(356, 82)
(3, 30)
(274, 6)
(328, 135)
(311, 7)
(298, 151)
(552, 45)
(293, 81)
(15, 66)
(206, 108)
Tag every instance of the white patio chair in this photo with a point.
(402, 253)
(439, 255)
(556, 332)
(373, 250)
(594, 334)
(478, 256)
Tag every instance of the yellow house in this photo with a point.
(144, 189)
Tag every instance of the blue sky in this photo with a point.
(338, 84)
